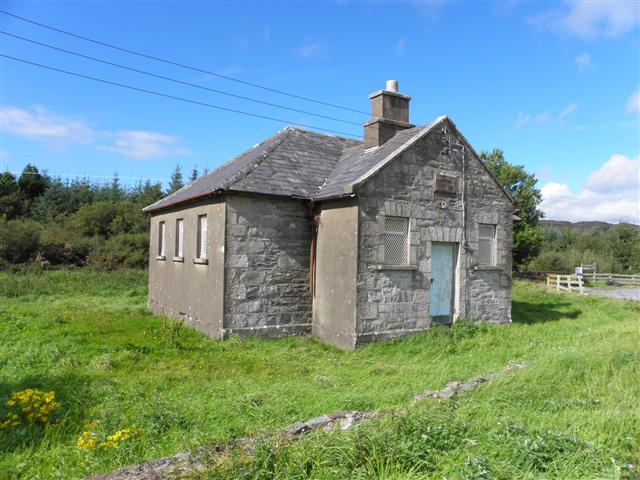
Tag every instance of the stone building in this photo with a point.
(351, 241)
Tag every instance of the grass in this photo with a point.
(572, 413)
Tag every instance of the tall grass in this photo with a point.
(87, 336)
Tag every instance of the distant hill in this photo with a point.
(578, 227)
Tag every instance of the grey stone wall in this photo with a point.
(394, 302)
(267, 266)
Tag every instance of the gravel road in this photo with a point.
(620, 293)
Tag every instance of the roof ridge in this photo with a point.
(341, 137)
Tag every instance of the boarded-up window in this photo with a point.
(396, 240)
(202, 237)
(487, 245)
(179, 238)
(161, 232)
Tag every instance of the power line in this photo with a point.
(174, 97)
(182, 65)
(195, 102)
(170, 79)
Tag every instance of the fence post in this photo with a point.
(557, 282)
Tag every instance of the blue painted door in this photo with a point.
(441, 294)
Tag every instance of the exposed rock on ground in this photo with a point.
(189, 462)
(455, 387)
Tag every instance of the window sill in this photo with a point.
(161, 258)
(492, 268)
(395, 267)
(178, 259)
(201, 261)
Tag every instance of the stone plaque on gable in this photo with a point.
(446, 184)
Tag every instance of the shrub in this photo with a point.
(19, 240)
(62, 246)
(123, 250)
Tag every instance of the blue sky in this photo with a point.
(555, 85)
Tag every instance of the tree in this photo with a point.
(624, 241)
(114, 192)
(31, 183)
(10, 204)
(521, 185)
(176, 182)
(31, 186)
(147, 193)
(194, 174)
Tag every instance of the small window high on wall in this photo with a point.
(161, 237)
(487, 245)
(179, 238)
(202, 237)
(396, 240)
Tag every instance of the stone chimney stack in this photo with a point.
(389, 114)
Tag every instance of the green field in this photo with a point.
(86, 335)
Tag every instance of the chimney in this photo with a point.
(389, 114)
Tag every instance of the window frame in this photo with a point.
(389, 232)
(179, 241)
(201, 243)
(162, 236)
(493, 250)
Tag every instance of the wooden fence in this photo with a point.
(570, 283)
(613, 278)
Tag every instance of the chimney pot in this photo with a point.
(392, 86)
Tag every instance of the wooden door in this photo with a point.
(442, 282)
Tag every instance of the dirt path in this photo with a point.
(619, 293)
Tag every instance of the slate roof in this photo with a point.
(293, 163)
(298, 164)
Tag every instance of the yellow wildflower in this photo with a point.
(31, 405)
(87, 441)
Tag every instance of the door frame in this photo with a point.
(455, 246)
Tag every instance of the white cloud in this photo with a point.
(611, 194)
(400, 47)
(619, 173)
(590, 19)
(584, 62)
(568, 110)
(633, 104)
(143, 145)
(38, 123)
(313, 49)
(521, 121)
(543, 118)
